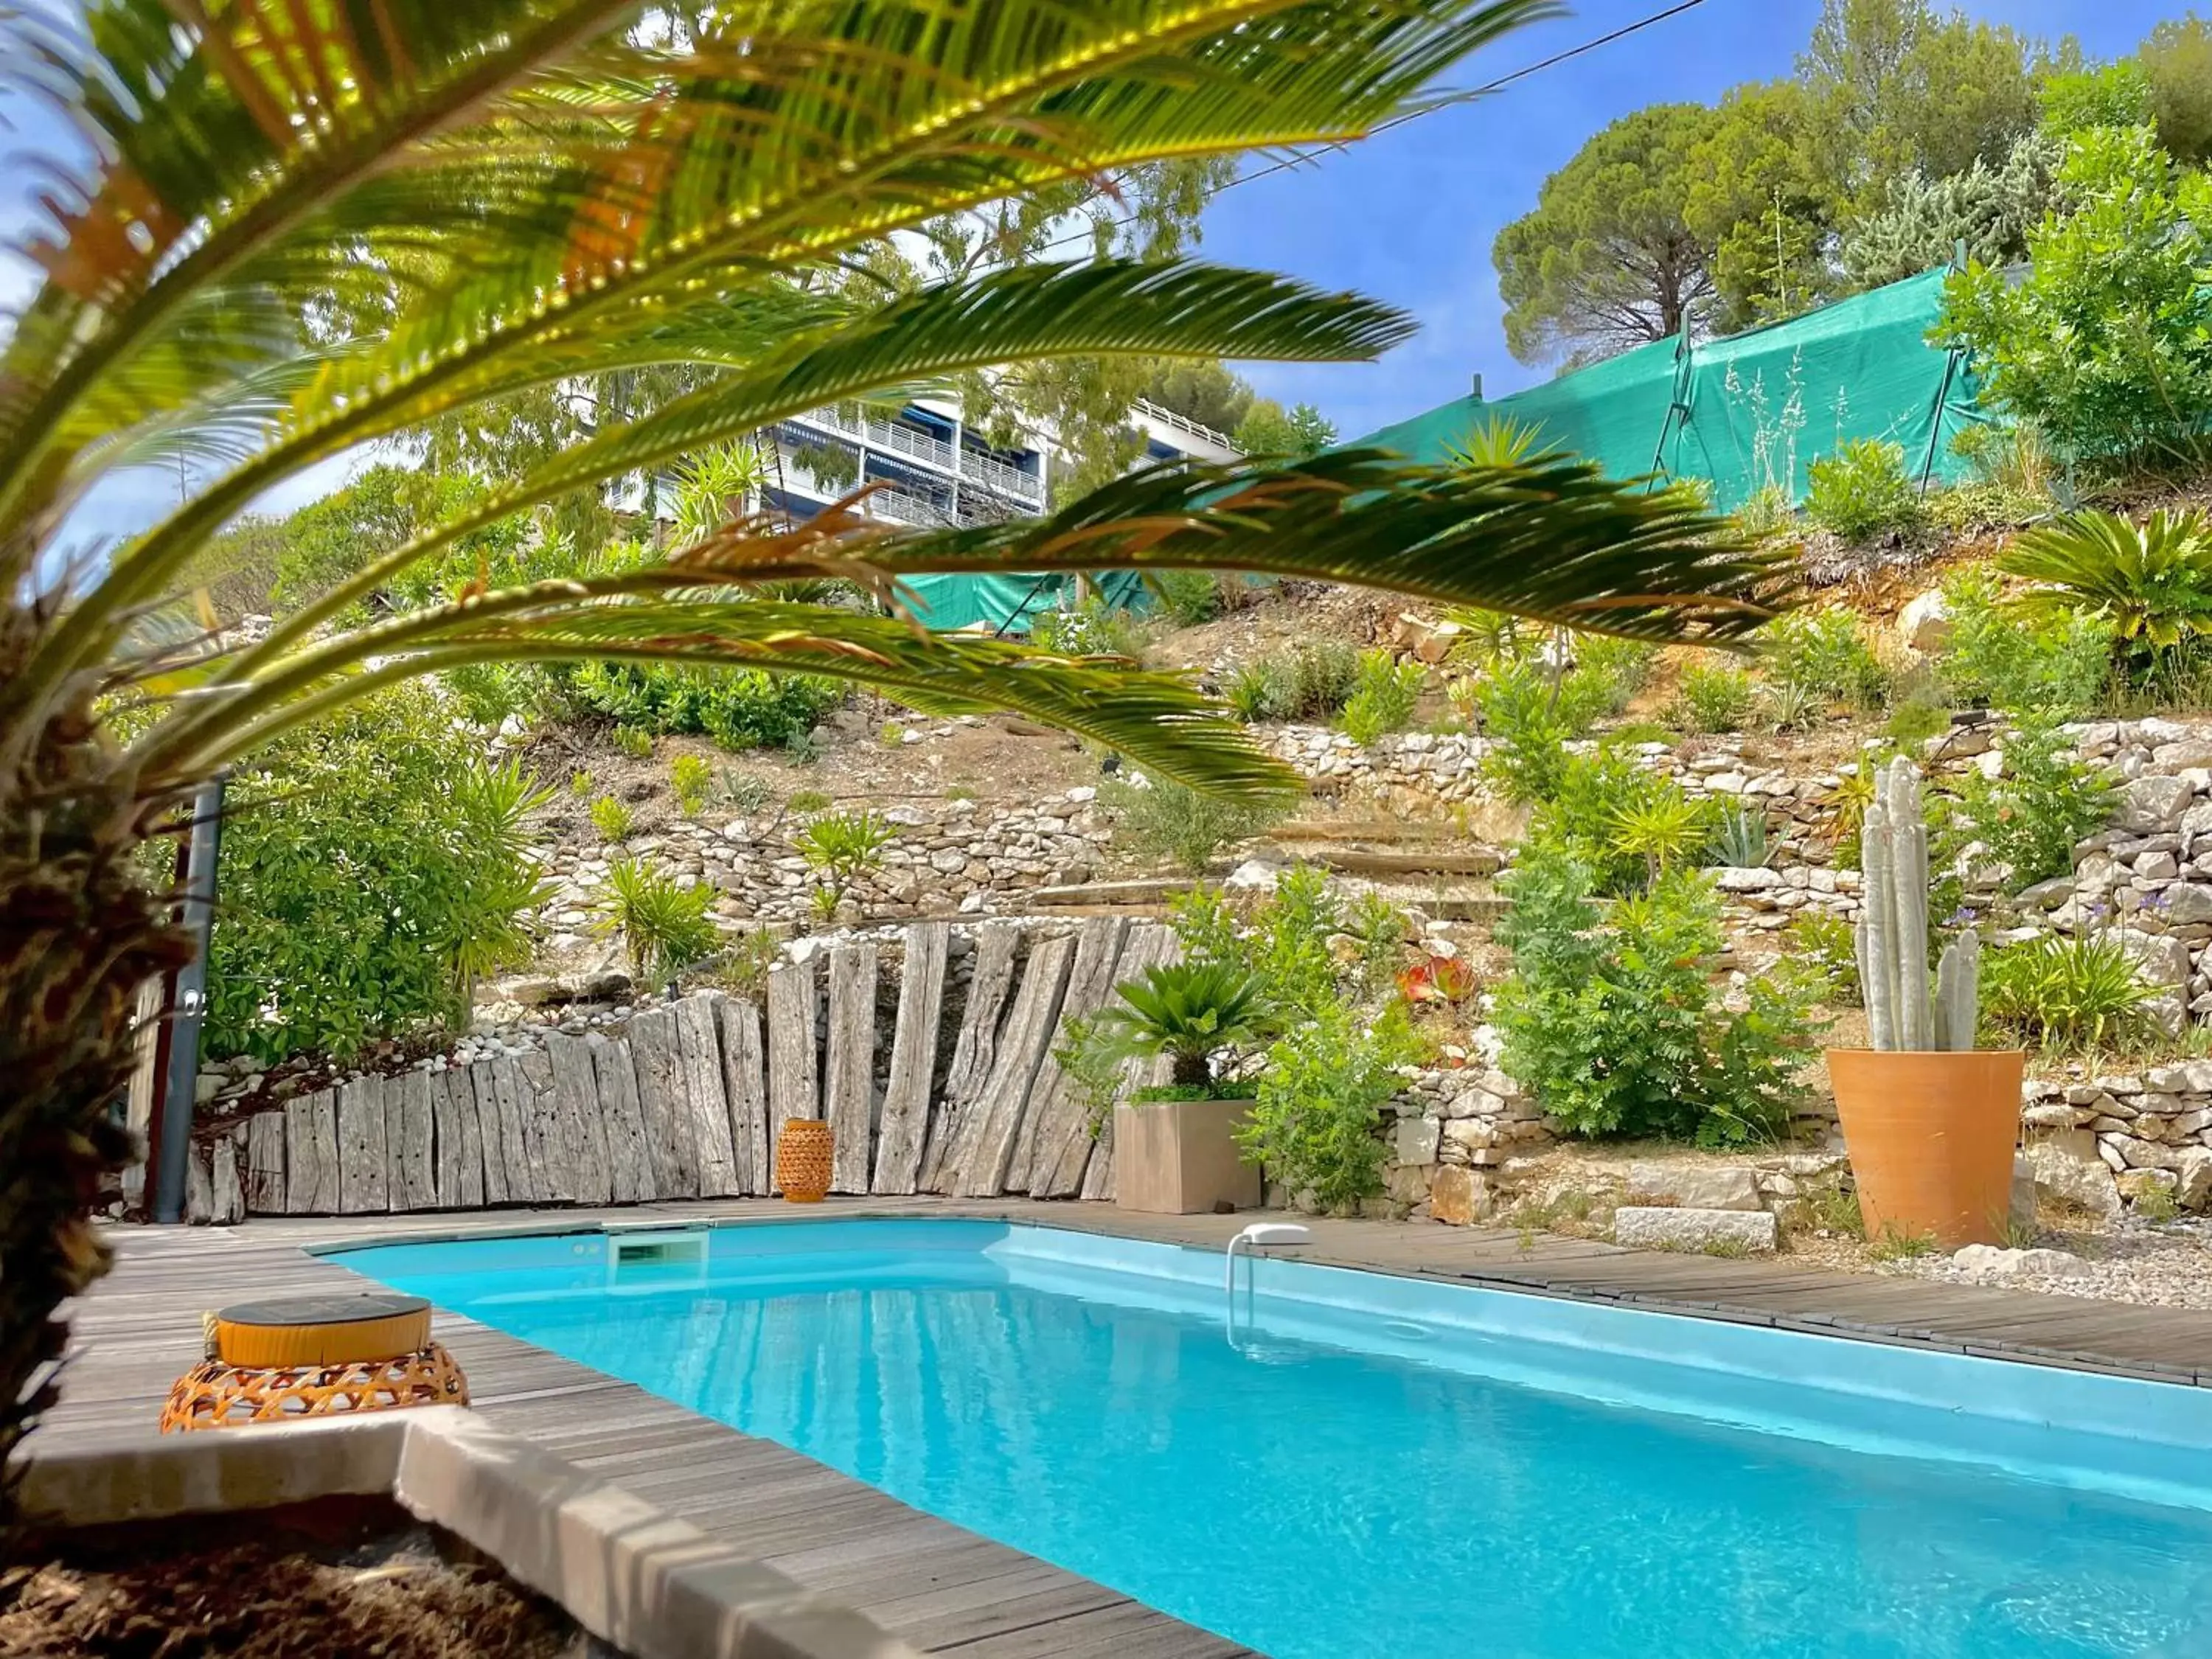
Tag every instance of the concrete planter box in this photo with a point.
(1178, 1158)
(653, 1586)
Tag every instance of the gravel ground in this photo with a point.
(2167, 1266)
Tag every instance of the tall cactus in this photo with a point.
(1893, 929)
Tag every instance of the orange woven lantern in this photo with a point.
(802, 1159)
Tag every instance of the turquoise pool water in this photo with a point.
(1360, 1465)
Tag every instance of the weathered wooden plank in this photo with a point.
(656, 1050)
(1063, 1141)
(145, 1083)
(303, 1168)
(323, 1150)
(264, 1162)
(990, 977)
(914, 1057)
(744, 1085)
(1054, 1115)
(576, 1100)
(363, 1183)
(499, 1128)
(227, 1184)
(793, 1088)
(699, 1044)
(1136, 1073)
(629, 1155)
(457, 1134)
(990, 1127)
(545, 1137)
(411, 1174)
(848, 1090)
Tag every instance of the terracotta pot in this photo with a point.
(802, 1159)
(1179, 1158)
(1931, 1137)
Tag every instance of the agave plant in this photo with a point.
(278, 233)
(1189, 1012)
(2153, 581)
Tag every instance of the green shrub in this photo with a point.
(1862, 490)
(1283, 937)
(1609, 672)
(1620, 823)
(842, 847)
(1318, 1122)
(612, 819)
(691, 778)
(371, 865)
(891, 734)
(1189, 597)
(1259, 690)
(1916, 719)
(1528, 714)
(1824, 652)
(665, 925)
(1190, 1012)
(2150, 584)
(1613, 1022)
(2071, 994)
(635, 741)
(1090, 628)
(803, 801)
(1383, 700)
(1766, 512)
(1825, 944)
(2046, 800)
(1716, 699)
(1323, 674)
(2054, 660)
(737, 707)
(2105, 344)
(581, 782)
(1162, 818)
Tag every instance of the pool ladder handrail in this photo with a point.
(1259, 1236)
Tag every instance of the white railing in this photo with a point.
(997, 475)
(1184, 424)
(905, 509)
(831, 418)
(917, 446)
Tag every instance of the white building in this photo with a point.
(932, 470)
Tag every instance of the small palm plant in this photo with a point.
(2152, 581)
(841, 848)
(1190, 1012)
(665, 927)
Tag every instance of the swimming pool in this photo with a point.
(1366, 1465)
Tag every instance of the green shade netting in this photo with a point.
(1746, 411)
(1741, 412)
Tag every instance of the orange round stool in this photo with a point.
(269, 1362)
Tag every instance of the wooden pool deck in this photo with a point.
(941, 1589)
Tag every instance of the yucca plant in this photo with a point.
(2074, 994)
(663, 925)
(2152, 581)
(1189, 1012)
(279, 233)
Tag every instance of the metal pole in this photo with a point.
(174, 1142)
(1943, 390)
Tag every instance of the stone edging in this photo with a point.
(636, 1576)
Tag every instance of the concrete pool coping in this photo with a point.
(926, 1581)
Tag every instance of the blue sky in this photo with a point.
(1409, 217)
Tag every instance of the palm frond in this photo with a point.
(1162, 721)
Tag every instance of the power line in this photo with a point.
(1503, 81)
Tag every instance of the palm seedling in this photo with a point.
(278, 234)
(1189, 1012)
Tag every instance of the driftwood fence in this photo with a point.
(686, 1102)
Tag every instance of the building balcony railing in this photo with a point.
(931, 452)
(1184, 424)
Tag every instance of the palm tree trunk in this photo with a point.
(80, 932)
